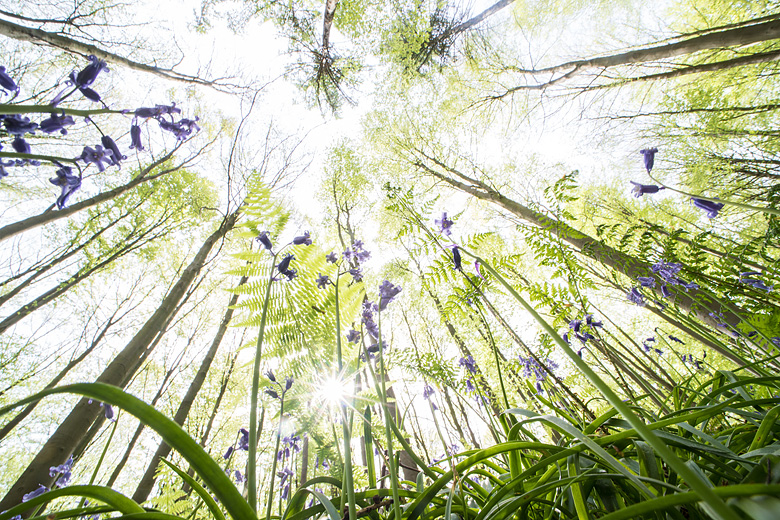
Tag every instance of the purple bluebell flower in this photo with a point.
(284, 267)
(362, 256)
(285, 482)
(228, 453)
(331, 257)
(4, 173)
(357, 274)
(68, 182)
(575, 325)
(20, 145)
(566, 337)
(7, 83)
(303, 239)
(649, 156)
(353, 336)
(387, 293)
(348, 254)
(16, 124)
(665, 291)
(470, 386)
(288, 382)
(240, 478)
(135, 138)
(456, 258)
(584, 336)
(55, 123)
(322, 281)
(97, 156)
(88, 74)
(108, 410)
(243, 439)
(591, 322)
(182, 129)
(116, 155)
(646, 281)
(469, 364)
(157, 111)
(634, 296)
(750, 278)
(709, 207)
(368, 319)
(64, 471)
(265, 240)
(272, 393)
(428, 391)
(444, 224)
(36, 493)
(644, 189)
(270, 375)
(676, 339)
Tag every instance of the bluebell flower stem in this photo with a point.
(716, 505)
(388, 429)
(37, 157)
(347, 483)
(48, 109)
(251, 465)
(724, 201)
(100, 460)
(273, 465)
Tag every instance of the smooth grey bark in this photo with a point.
(693, 301)
(50, 215)
(59, 41)
(147, 481)
(71, 431)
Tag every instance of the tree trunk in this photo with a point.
(693, 301)
(147, 481)
(59, 41)
(71, 431)
(478, 19)
(49, 215)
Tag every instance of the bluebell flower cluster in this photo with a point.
(696, 363)
(7, 84)
(241, 445)
(353, 336)
(367, 318)
(285, 482)
(387, 293)
(469, 364)
(648, 348)
(290, 445)
(634, 296)
(532, 368)
(581, 333)
(64, 471)
(283, 387)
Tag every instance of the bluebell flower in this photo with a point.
(750, 278)
(16, 124)
(265, 240)
(644, 189)
(7, 83)
(270, 375)
(456, 258)
(646, 281)
(288, 382)
(108, 410)
(332, 257)
(428, 391)
(116, 155)
(634, 296)
(584, 336)
(284, 267)
(575, 325)
(68, 182)
(135, 138)
(566, 337)
(591, 322)
(357, 274)
(469, 364)
(20, 145)
(156, 111)
(362, 256)
(88, 74)
(353, 336)
(665, 291)
(182, 129)
(64, 471)
(348, 254)
(368, 319)
(357, 245)
(444, 224)
(710, 208)
(649, 156)
(676, 339)
(322, 281)
(240, 478)
(470, 385)
(228, 453)
(303, 239)
(36, 493)
(387, 293)
(272, 393)
(56, 123)
(243, 439)
(285, 482)
(97, 156)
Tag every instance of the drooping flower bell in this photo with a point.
(649, 155)
(303, 239)
(68, 182)
(97, 156)
(456, 259)
(7, 83)
(56, 123)
(709, 207)
(135, 138)
(322, 281)
(387, 293)
(34, 494)
(444, 224)
(16, 124)
(265, 240)
(116, 155)
(353, 336)
(85, 78)
(634, 296)
(469, 364)
(644, 189)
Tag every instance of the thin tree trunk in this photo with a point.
(478, 19)
(59, 41)
(50, 215)
(71, 431)
(147, 481)
(693, 301)
(59, 377)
